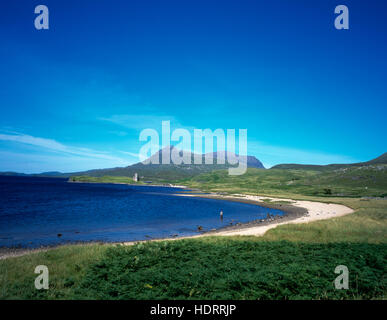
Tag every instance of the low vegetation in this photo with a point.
(367, 181)
(229, 269)
(67, 265)
(208, 268)
(368, 224)
(104, 179)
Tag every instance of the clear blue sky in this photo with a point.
(76, 96)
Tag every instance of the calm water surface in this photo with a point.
(33, 211)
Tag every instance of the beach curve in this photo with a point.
(315, 211)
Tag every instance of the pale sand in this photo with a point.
(316, 211)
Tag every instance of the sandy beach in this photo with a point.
(315, 211)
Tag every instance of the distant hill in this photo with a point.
(379, 160)
(173, 172)
(168, 172)
(11, 173)
(52, 174)
(156, 172)
(43, 174)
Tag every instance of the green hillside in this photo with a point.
(379, 160)
(157, 172)
(160, 173)
(368, 181)
(355, 179)
(365, 181)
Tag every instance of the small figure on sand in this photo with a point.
(221, 215)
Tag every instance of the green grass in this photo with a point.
(66, 264)
(368, 181)
(277, 201)
(104, 179)
(228, 269)
(208, 268)
(349, 182)
(368, 224)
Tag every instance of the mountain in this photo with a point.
(172, 171)
(158, 172)
(148, 170)
(379, 160)
(252, 162)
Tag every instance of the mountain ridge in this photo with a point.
(157, 170)
(188, 170)
(382, 159)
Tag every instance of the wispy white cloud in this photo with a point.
(37, 163)
(144, 121)
(138, 122)
(68, 158)
(50, 145)
(132, 154)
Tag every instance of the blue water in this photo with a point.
(33, 211)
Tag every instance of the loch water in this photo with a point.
(37, 211)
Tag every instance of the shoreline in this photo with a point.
(291, 213)
(315, 211)
(295, 211)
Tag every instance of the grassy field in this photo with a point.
(209, 268)
(368, 224)
(366, 181)
(104, 179)
(67, 265)
(294, 261)
(370, 181)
